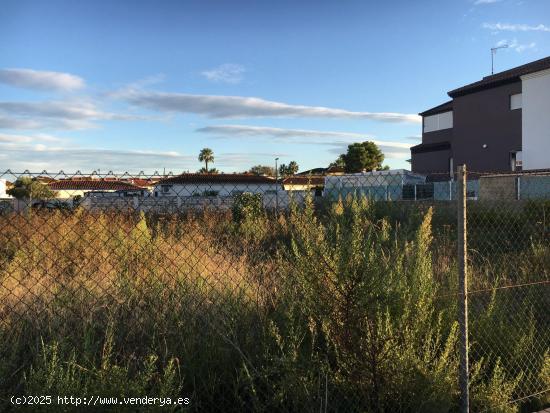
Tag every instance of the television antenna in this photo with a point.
(493, 53)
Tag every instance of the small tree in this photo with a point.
(29, 188)
(262, 170)
(206, 155)
(290, 169)
(203, 170)
(247, 207)
(339, 162)
(363, 156)
(249, 216)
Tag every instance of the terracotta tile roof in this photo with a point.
(335, 169)
(322, 171)
(508, 76)
(143, 182)
(304, 180)
(91, 185)
(218, 178)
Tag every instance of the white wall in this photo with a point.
(536, 120)
(438, 122)
(2, 188)
(222, 189)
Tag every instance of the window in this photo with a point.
(516, 101)
(166, 188)
(515, 161)
(438, 122)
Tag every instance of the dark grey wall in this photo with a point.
(485, 118)
(444, 135)
(431, 162)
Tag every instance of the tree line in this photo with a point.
(359, 157)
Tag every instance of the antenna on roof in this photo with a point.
(493, 53)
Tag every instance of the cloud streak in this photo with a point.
(515, 27)
(234, 107)
(16, 139)
(41, 80)
(339, 140)
(243, 131)
(480, 2)
(39, 152)
(69, 115)
(226, 73)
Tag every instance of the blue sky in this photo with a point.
(144, 85)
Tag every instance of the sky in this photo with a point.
(145, 85)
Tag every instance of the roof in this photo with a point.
(322, 171)
(431, 147)
(444, 107)
(143, 182)
(502, 78)
(314, 171)
(217, 178)
(304, 180)
(91, 185)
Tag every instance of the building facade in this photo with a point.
(3, 188)
(498, 124)
(211, 185)
(69, 188)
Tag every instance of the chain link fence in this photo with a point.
(239, 292)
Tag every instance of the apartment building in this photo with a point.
(500, 123)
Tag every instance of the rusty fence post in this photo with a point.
(463, 288)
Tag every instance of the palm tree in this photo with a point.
(206, 155)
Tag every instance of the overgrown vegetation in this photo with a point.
(350, 309)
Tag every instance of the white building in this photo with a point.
(214, 185)
(378, 185)
(69, 188)
(535, 121)
(3, 189)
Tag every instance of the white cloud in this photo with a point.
(339, 140)
(514, 45)
(226, 73)
(41, 80)
(269, 132)
(9, 138)
(39, 152)
(7, 122)
(69, 115)
(516, 27)
(215, 106)
(478, 2)
(38, 156)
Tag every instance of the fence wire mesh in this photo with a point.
(239, 292)
(509, 291)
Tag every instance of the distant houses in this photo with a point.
(3, 189)
(389, 185)
(70, 188)
(222, 185)
(304, 183)
(219, 191)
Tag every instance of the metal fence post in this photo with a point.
(463, 289)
